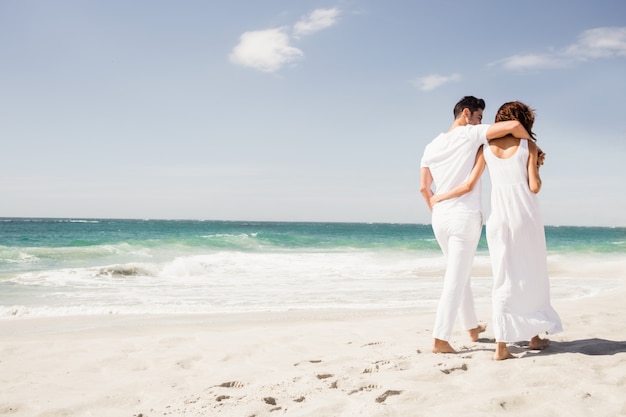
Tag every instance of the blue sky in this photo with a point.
(297, 111)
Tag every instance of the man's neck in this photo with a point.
(461, 121)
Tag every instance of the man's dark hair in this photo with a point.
(469, 102)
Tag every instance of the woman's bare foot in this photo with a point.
(502, 352)
(442, 346)
(476, 331)
(537, 343)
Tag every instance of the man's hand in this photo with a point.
(541, 156)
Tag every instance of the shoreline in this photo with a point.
(308, 363)
(564, 288)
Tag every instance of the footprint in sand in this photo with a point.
(376, 367)
(309, 361)
(365, 388)
(192, 400)
(272, 401)
(231, 384)
(383, 397)
(447, 371)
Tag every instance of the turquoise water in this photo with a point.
(95, 266)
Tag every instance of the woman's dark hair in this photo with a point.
(516, 110)
(469, 102)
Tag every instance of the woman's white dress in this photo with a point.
(517, 247)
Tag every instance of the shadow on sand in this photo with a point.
(595, 347)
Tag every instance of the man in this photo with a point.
(457, 222)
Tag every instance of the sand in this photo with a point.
(299, 363)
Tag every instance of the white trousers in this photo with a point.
(457, 233)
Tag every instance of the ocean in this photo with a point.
(60, 267)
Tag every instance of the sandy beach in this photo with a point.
(324, 363)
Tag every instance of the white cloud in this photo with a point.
(530, 62)
(598, 43)
(317, 20)
(266, 50)
(269, 50)
(433, 81)
(606, 42)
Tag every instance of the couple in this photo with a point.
(454, 162)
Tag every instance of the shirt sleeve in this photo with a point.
(424, 162)
(480, 134)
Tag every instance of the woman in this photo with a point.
(515, 236)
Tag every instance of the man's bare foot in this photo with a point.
(477, 331)
(537, 343)
(442, 346)
(502, 352)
